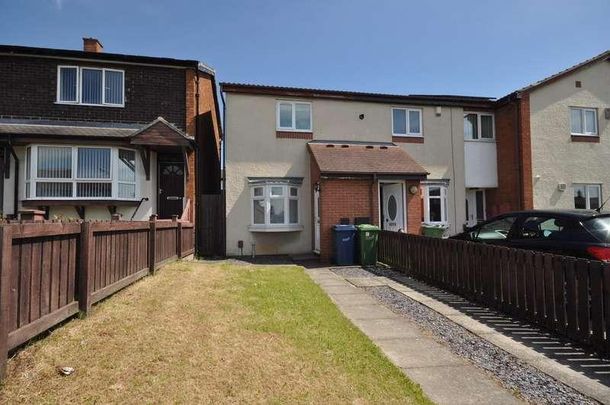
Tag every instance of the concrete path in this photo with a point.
(444, 377)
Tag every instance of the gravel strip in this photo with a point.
(531, 384)
(349, 272)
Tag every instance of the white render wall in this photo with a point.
(252, 150)
(146, 189)
(555, 158)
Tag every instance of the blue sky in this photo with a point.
(486, 48)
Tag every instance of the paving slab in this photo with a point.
(445, 377)
(366, 281)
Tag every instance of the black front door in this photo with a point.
(171, 189)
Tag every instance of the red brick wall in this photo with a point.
(414, 209)
(514, 190)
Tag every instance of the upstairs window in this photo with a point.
(293, 116)
(587, 196)
(478, 126)
(583, 121)
(406, 122)
(90, 86)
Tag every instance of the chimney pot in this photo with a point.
(92, 45)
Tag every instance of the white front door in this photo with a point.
(393, 218)
(475, 207)
(316, 221)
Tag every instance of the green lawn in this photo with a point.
(210, 332)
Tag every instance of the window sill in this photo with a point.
(585, 138)
(408, 139)
(280, 228)
(90, 105)
(294, 135)
(486, 140)
(75, 202)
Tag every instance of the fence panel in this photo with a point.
(50, 270)
(567, 295)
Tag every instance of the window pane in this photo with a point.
(277, 210)
(434, 191)
(590, 122)
(399, 121)
(435, 210)
(294, 211)
(576, 120)
(93, 163)
(580, 198)
(91, 86)
(487, 127)
(277, 191)
(470, 127)
(67, 84)
(414, 124)
(258, 191)
(259, 211)
(54, 162)
(53, 189)
(594, 200)
(127, 165)
(285, 115)
(114, 87)
(28, 164)
(294, 191)
(496, 230)
(93, 190)
(302, 116)
(127, 190)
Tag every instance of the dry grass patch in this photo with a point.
(202, 332)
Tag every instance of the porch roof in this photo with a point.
(381, 158)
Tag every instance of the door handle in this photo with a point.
(173, 197)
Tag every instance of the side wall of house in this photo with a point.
(557, 157)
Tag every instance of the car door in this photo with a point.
(544, 233)
(497, 231)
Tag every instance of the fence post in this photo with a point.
(6, 249)
(85, 269)
(151, 243)
(179, 240)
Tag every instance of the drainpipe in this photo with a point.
(198, 163)
(518, 152)
(373, 200)
(16, 191)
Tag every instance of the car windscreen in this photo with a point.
(599, 227)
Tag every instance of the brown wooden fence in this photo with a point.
(50, 271)
(566, 295)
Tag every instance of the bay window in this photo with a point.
(90, 86)
(275, 205)
(435, 203)
(80, 172)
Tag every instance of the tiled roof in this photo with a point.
(338, 157)
(66, 128)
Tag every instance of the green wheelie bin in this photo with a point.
(367, 244)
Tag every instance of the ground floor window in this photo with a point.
(587, 196)
(435, 203)
(275, 204)
(80, 172)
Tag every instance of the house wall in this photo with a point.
(254, 149)
(556, 158)
(29, 89)
(146, 188)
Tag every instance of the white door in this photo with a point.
(393, 207)
(475, 207)
(316, 221)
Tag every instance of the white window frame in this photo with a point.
(32, 164)
(480, 128)
(79, 81)
(267, 226)
(293, 106)
(408, 133)
(583, 117)
(443, 199)
(588, 186)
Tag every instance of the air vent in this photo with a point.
(345, 146)
(383, 147)
(330, 146)
(369, 147)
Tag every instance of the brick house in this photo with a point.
(301, 160)
(555, 141)
(87, 133)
